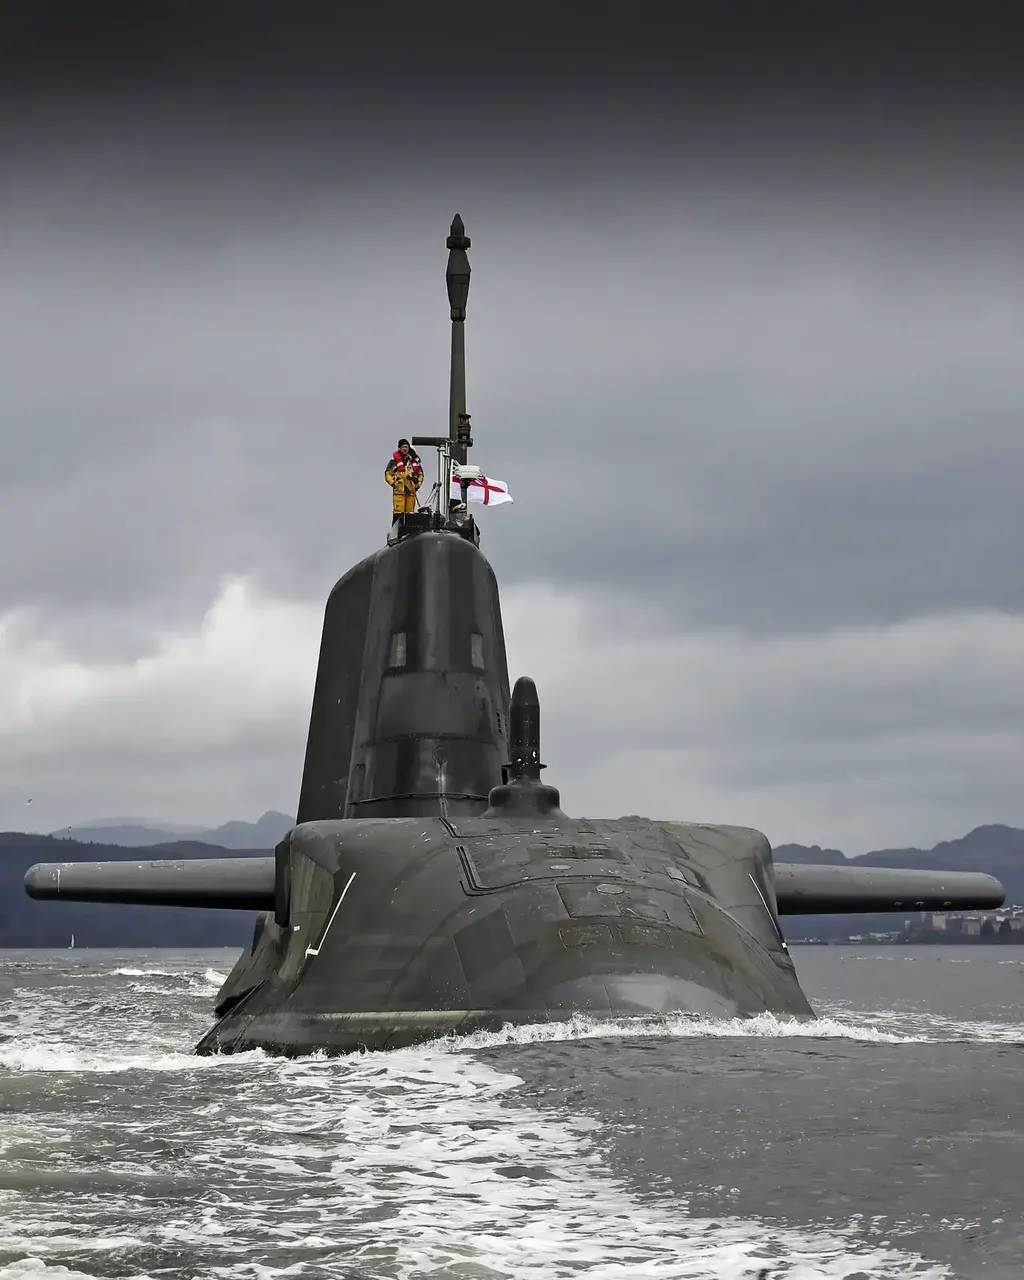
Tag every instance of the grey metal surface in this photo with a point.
(243, 883)
(457, 279)
(818, 890)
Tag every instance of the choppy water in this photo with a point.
(886, 1143)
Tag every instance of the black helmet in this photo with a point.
(467, 416)
(403, 441)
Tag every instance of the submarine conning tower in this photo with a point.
(411, 702)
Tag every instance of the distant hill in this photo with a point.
(137, 833)
(982, 849)
(997, 850)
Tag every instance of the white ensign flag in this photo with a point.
(483, 489)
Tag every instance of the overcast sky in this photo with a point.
(751, 362)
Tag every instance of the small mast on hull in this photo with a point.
(522, 794)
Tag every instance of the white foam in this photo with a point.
(679, 1026)
(418, 1162)
(209, 976)
(64, 1057)
(918, 1026)
(37, 1269)
(33, 1053)
(873, 1028)
(412, 1164)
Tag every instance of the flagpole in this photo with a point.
(444, 460)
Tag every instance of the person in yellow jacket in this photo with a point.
(404, 473)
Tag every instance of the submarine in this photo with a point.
(432, 884)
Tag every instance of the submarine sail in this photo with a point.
(410, 707)
(432, 882)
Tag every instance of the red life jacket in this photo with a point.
(400, 462)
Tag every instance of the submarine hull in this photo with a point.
(390, 933)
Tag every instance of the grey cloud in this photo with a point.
(764, 394)
(772, 447)
(858, 739)
(63, 786)
(748, 367)
(780, 533)
(854, 739)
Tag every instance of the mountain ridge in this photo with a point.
(982, 844)
(142, 833)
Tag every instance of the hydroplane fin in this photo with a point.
(802, 889)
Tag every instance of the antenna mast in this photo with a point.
(457, 278)
(454, 447)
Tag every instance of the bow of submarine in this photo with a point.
(441, 888)
(402, 931)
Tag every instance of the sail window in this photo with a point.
(398, 649)
(476, 650)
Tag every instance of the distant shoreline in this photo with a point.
(6, 949)
(1014, 940)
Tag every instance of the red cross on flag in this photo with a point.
(483, 489)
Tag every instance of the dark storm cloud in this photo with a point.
(748, 339)
(767, 409)
(237, 41)
(732, 512)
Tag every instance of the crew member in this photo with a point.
(404, 473)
